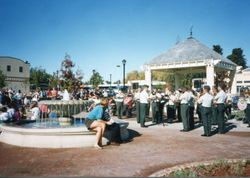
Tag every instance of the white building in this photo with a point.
(17, 73)
(241, 80)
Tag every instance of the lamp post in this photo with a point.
(124, 63)
(93, 78)
(118, 83)
(110, 79)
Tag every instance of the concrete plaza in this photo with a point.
(149, 150)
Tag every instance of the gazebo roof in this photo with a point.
(189, 50)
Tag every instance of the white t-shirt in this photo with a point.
(35, 113)
(144, 96)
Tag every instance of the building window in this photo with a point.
(8, 68)
(20, 69)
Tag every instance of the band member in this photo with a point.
(144, 99)
(184, 100)
(119, 103)
(206, 103)
(199, 107)
(155, 103)
(137, 104)
(220, 100)
(191, 108)
(128, 105)
(247, 97)
(171, 107)
(214, 106)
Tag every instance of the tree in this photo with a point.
(135, 75)
(237, 57)
(218, 49)
(165, 76)
(38, 75)
(96, 79)
(2, 79)
(67, 78)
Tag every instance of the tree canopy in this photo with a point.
(135, 75)
(39, 75)
(218, 49)
(238, 57)
(96, 79)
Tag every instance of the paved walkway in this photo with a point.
(149, 150)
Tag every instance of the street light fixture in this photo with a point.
(124, 63)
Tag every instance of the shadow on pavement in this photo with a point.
(132, 135)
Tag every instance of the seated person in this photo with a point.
(113, 127)
(94, 121)
(4, 116)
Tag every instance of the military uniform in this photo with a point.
(248, 111)
(220, 100)
(206, 112)
(185, 110)
(171, 108)
(137, 105)
(144, 97)
(155, 104)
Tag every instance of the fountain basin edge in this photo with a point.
(72, 137)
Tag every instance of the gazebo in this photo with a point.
(190, 56)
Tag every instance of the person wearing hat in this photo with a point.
(144, 99)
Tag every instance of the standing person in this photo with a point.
(144, 98)
(206, 111)
(128, 105)
(228, 105)
(247, 97)
(220, 100)
(119, 103)
(155, 102)
(171, 112)
(163, 100)
(137, 104)
(184, 98)
(199, 107)
(214, 106)
(191, 109)
(94, 121)
(178, 104)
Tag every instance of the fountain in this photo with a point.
(63, 132)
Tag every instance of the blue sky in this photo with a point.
(99, 34)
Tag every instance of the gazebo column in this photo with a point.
(148, 77)
(210, 75)
(177, 80)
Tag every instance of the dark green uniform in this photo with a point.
(137, 107)
(155, 111)
(221, 117)
(206, 113)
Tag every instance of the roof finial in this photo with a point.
(191, 31)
